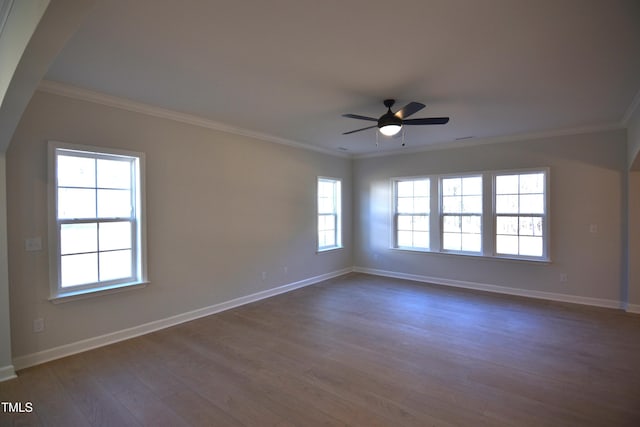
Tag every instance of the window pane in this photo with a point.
(420, 239)
(537, 226)
(325, 205)
(471, 242)
(451, 186)
(507, 245)
(507, 225)
(531, 246)
(421, 223)
(532, 203)
(405, 188)
(507, 184)
(328, 237)
(451, 223)
(452, 204)
(114, 174)
(328, 222)
(506, 204)
(114, 204)
(76, 203)
(405, 239)
(78, 269)
(76, 171)
(325, 189)
(115, 265)
(451, 241)
(405, 205)
(471, 224)
(77, 238)
(472, 186)
(526, 226)
(404, 222)
(421, 204)
(532, 183)
(115, 235)
(421, 188)
(472, 204)
(321, 240)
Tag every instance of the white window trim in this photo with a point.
(338, 244)
(545, 217)
(394, 214)
(488, 216)
(57, 293)
(441, 213)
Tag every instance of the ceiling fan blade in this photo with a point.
(355, 116)
(358, 130)
(427, 121)
(409, 109)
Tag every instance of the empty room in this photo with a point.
(292, 212)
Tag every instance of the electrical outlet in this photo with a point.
(286, 270)
(38, 325)
(564, 278)
(264, 275)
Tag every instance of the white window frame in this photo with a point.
(138, 219)
(461, 214)
(544, 216)
(488, 217)
(397, 214)
(336, 213)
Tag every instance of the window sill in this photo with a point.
(472, 255)
(332, 248)
(72, 295)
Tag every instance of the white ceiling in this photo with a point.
(290, 68)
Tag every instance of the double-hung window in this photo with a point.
(97, 230)
(329, 214)
(520, 214)
(461, 213)
(411, 213)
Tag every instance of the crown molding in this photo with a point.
(87, 95)
(448, 145)
(82, 94)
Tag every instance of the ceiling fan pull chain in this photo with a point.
(377, 143)
(403, 131)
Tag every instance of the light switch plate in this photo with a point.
(33, 244)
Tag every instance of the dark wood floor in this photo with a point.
(357, 350)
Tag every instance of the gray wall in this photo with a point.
(633, 188)
(587, 175)
(222, 209)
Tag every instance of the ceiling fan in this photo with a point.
(391, 123)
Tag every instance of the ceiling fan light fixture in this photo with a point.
(389, 124)
(390, 130)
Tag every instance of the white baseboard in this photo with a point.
(33, 359)
(7, 373)
(633, 308)
(495, 288)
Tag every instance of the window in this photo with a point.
(411, 214)
(520, 214)
(97, 219)
(461, 213)
(329, 220)
(516, 224)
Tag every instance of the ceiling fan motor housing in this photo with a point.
(389, 119)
